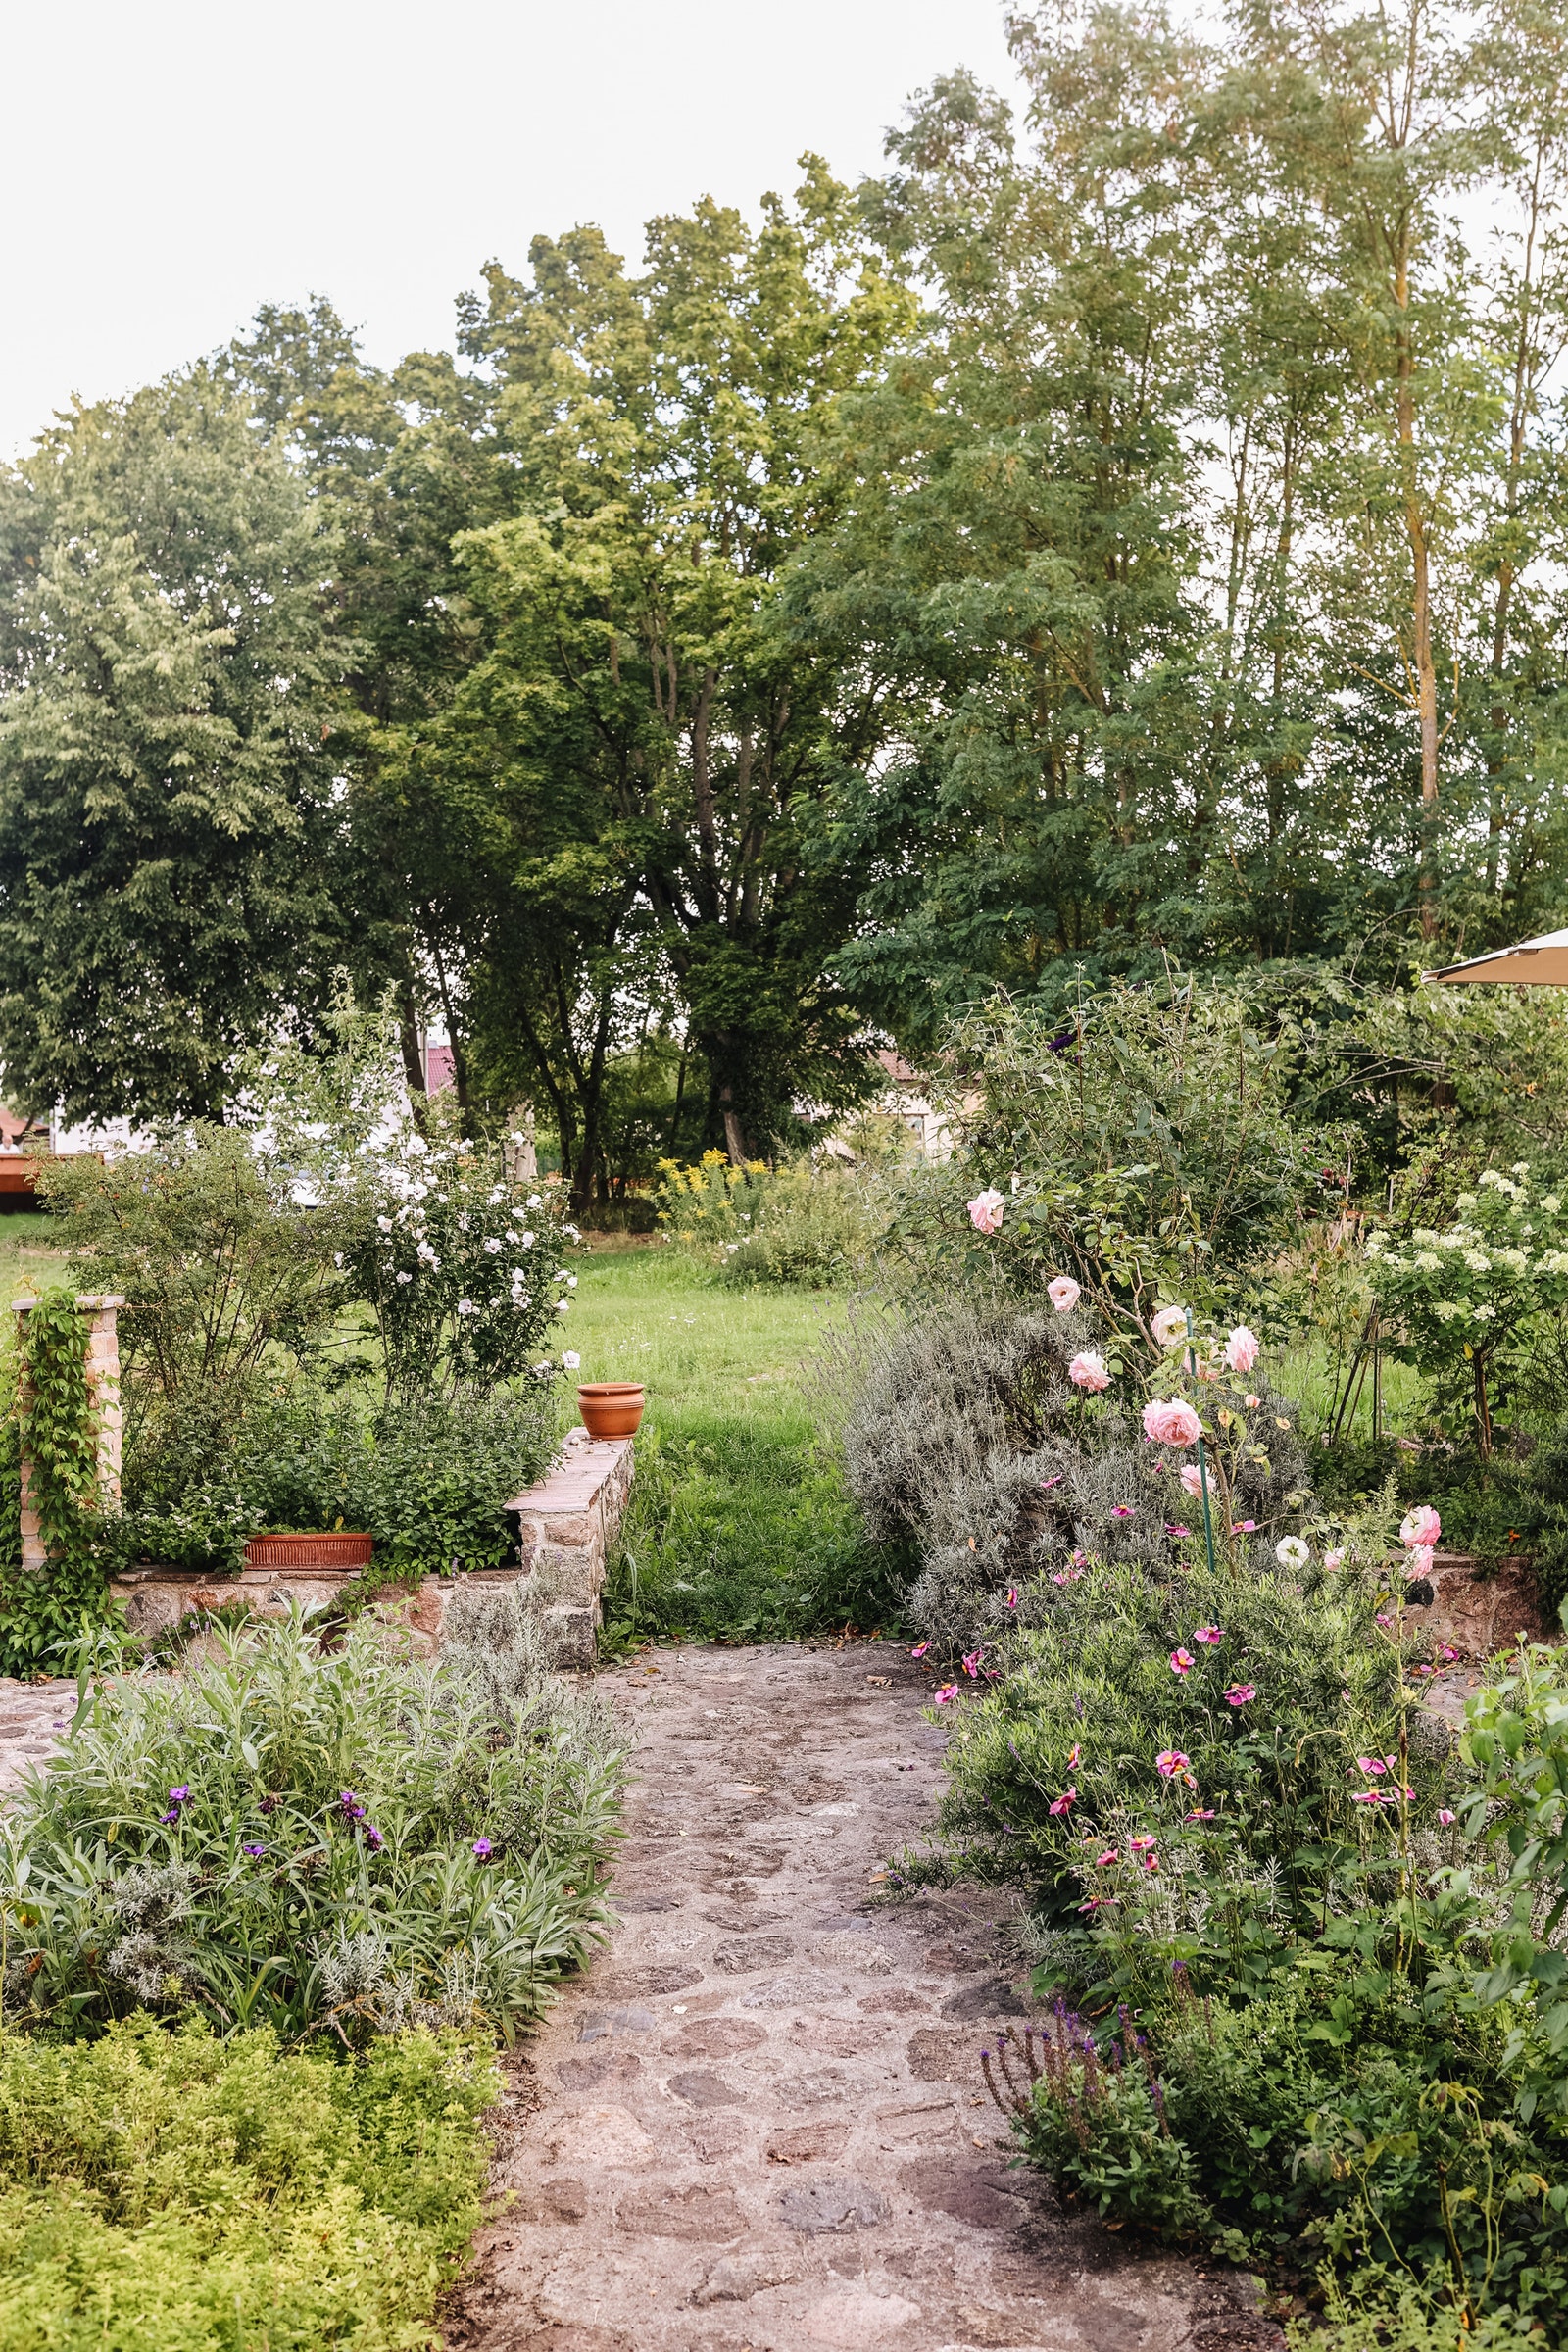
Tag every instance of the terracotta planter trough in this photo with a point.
(611, 1408)
(335, 1550)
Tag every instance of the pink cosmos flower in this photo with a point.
(1079, 1560)
(1192, 1480)
(1093, 1904)
(1088, 1371)
(1105, 1860)
(1143, 1843)
(1446, 1817)
(1181, 1661)
(1447, 1655)
(1199, 1813)
(1064, 1294)
(1241, 1695)
(1172, 1765)
(1171, 1421)
(1371, 1766)
(1386, 1622)
(1243, 1527)
(1064, 1803)
(1420, 1526)
(971, 1664)
(1335, 1558)
(1366, 1797)
(1243, 1348)
(919, 1649)
(1073, 1758)
(1174, 1526)
(1012, 1596)
(1066, 1576)
(1419, 1563)
(949, 1691)
(1170, 1326)
(1121, 1510)
(1210, 1635)
(1150, 1861)
(985, 1211)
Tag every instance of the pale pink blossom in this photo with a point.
(1171, 1421)
(1446, 1817)
(1335, 1558)
(1252, 1403)
(1064, 1294)
(1420, 1526)
(1088, 1371)
(1170, 1326)
(985, 1211)
(1419, 1563)
(1192, 1480)
(1243, 1348)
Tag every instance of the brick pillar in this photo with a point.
(103, 1388)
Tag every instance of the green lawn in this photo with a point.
(25, 1256)
(739, 1525)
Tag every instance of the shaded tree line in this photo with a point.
(1131, 527)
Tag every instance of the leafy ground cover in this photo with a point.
(740, 1526)
(170, 2191)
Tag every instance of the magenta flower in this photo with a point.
(1446, 1817)
(1243, 1527)
(1173, 1526)
(1144, 1844)
(1243, 1348)
(1446, 1655)
(1079, 1560)
(1241, 1695)
(1122, 1510)
(1074, 1755)
(971, 1664)
(919, 1649)
(1064, 1803)
(483, 1849)
(1171, 1421)
(1199, 1813)
(1046, 1483)
(1066, 1576)
(1172, 1764)
(1104, 1861)
(1012, 1596)
(948, 1691)
(1064, 1294)
(1212, 1635)
(1370, 1765)
(1366, 1797)
(985, 1211)
(1181, 1661)
(1088, 1371)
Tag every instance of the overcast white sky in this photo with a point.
(171, 165)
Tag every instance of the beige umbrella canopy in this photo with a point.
(1538, 963)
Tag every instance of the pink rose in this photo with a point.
(1420, 1526)
(1335, 1558)
(1170, 1421)
(985, 1211)
(1170, 1326)
(1088, 1371)
(1420, 1561)
(1192, 1479)
(1243, 1348)
(1064, 1294)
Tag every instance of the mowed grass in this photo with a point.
(740, 1527)
(28, 1254)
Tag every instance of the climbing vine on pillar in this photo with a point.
(57, 1436)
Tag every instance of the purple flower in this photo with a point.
(181, 1794)
(351, 1805)
(483, 1849)
(255, 1850)
(373, 1838)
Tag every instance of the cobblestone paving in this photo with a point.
(759, 2121)
(33, 1715)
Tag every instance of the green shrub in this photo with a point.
(349, 1841)
(812, 1227)
(170, 2192)
(426, 1478)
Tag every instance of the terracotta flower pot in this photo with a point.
(611, 1408)
(335, 1550)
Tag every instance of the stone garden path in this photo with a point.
(759, 2120)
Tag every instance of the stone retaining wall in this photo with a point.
(566, 1527)
(1478, 1612)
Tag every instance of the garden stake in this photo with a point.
(1203, 1462)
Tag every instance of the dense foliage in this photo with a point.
(171, 2192)
(343, 1843)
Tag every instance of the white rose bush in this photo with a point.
(463, 1266)
(1458, 1301)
